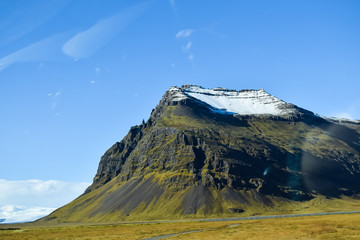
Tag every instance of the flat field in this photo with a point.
(343, 226)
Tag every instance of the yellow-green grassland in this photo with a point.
(344, 226)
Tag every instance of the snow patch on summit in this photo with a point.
(244, 102)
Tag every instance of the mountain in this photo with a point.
(220, 152)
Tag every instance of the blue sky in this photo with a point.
(76, 75)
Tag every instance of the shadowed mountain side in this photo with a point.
(191, 160)
(342, 132)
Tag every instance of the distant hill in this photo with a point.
(220, 152)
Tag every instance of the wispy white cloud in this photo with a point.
(86, 43)
(27, 18)
(57, 93)
(184, 33)
(75, 44)
(348, 111)
(187, 47)
(210, 29)
(55, 98)
(344, 115)
(97, 71)
(92, 82)
(173, 4)
(48, 49)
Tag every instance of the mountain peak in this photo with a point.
(233, 102)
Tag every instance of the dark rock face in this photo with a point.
(113, 160)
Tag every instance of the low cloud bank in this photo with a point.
(28, 200)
